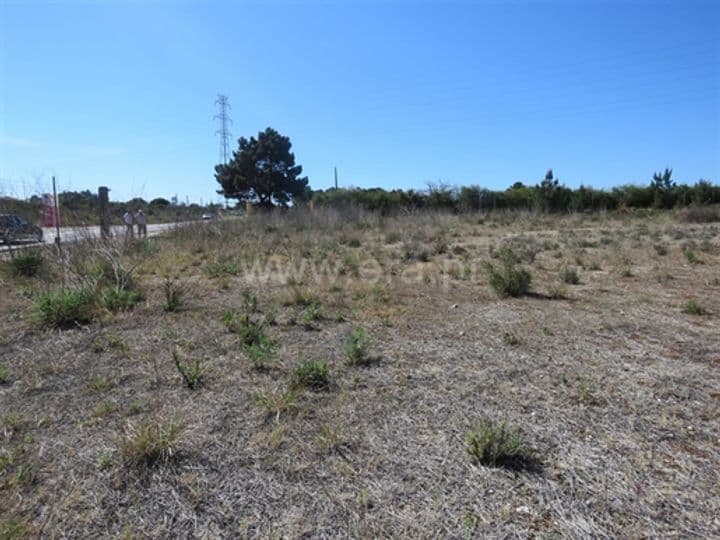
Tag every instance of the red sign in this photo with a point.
(51, 216)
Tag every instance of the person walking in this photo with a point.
(128, 220)
(141, 221)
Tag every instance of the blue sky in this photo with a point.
(394, 93)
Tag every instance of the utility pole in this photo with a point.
(336, 184)
(57, 214)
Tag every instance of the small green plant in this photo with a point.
(497, 445)
(693, 307)
(103, 409)
(276, 403)
(251, 330)
(27, 264)
(4, 374)
(14, 528)
(98, 383)
(355, 347)
(190, 370)
(508, 280)
(261, 353)
(511, 339)
(310, 316)
(691, 257)
(65, 307)
(117, 299)
(270, 316)
(312, 374)
(175, 292)
(222, 267)
(569, 275)
(152, 442)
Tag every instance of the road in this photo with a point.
(73, 234)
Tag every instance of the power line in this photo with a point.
(224, 131)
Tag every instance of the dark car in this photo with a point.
(16, 229)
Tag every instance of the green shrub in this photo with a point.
(222, 267)
(313, 375)
(117, 299)
(569, 275)
(27, 264)
(691, 257)
(174, 292)
(190, 370)
(152, 442)
(310, 316)
(508, 280)
(693, 307)
(497, 445)
(65, 307)
(250, 330)
(261, 353)
(4, 374)
(355, 347)
(511, 339)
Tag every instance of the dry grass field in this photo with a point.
(351, 376)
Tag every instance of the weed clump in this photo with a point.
(66, 307)
(693, 307)
(355, 347)
(508, 280)
(174, 292)
(569, 275)
(190, 370)
(497, 445)
(152, 442)
(119, 299)
(312, 374)
(27, 264)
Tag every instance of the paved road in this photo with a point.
(73, 234)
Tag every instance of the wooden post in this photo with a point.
(104, 216)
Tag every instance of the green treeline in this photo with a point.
(547, 196)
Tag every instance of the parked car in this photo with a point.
(207, 217)
(15, 229)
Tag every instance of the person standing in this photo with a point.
(141, 221)
(128, 220)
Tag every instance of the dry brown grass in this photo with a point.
(615, 389)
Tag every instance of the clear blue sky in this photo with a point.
(395, 93)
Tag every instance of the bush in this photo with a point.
(355, 347)
(508, 280)
(4, 374)
(191, 371)
(174, 294)
(27, 264)
(569, 275)
(117, 299)
(261, 353)
(700, 214)
(693, 307)
(313, 375)
(66, 307)
(250, 330)
(499, 446)
(152, 442)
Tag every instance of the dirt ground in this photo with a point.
(613, 381)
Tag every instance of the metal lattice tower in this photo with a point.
(224, 130)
